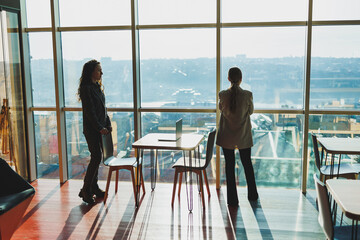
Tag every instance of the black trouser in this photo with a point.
(245, 156)
(93, 140)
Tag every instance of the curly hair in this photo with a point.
(86, 74)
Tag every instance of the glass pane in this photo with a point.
(263, 10)
(42, 69)
(178, 72)
(77, 149)
(12, 119)
(38, 13)
(336, 10)
(200, 123)
(94, 13)
(335, 76)
(113, 50)
(331, 126)
(177, 12)
(46, 144)
(272, 62)
(277, 151)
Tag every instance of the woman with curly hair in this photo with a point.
(96, 122)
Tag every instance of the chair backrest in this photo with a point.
(210, 148)
(11, 182)
(325, 219)
(316, 151)
(108, 147)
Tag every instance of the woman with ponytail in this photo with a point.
(96, 122)
(236, 106)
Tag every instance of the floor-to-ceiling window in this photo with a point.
(335, 76)
(282, 47)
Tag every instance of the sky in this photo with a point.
(257, 42)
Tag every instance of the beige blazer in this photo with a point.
(235, 128)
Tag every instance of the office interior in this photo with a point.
(168, 60)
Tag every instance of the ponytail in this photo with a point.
(235, 77)
(233, 98)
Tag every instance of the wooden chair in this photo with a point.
(116, 164)
(182, 165)
(345, 169)
(325, 217)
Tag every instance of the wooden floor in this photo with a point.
(56, 212)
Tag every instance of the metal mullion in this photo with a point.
(279, 111)
(28, 96)
(176, 26)
(334, 112)
(307, 100)
(78, 109)
(72, 109)
(42, 29)
(59, 91)
(218, 84)
(334, 23)
(194, 110)
(264, 24)
(186, 110)
(199, 25)
(136, 68)
(51, 109)
(93, 28)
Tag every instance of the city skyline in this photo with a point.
(275, 83)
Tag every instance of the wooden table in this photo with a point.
(346, 193)
(188, 142)
(349, 146)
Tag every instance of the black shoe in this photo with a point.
(86, 197)
(98, 192)
(253, 197)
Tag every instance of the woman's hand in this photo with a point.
(104, 131)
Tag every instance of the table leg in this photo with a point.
(153, 168)
(332, 166)
(138, 178)
(197, 157)
(338, 166)
(189, 185)
(334, 211)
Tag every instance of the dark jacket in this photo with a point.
(95, 115)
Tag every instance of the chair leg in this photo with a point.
(206, 182)
(133, 182)
(174, 186)
(142, 180)
(180, 181)
(325, 178)
(107, 185)
(342, 215)
(117, 180)
(201, 187)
